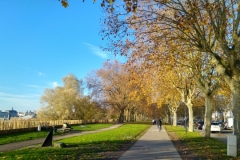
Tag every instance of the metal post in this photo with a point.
(185, 122)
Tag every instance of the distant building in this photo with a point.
(8, 114)
(21, 114)
(29, 115)
(12, 113)
(4, 115)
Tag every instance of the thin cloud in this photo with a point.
(4, 87)
(97, 51)
(24, 96)
(41, 74)
(33, 86)
(54, 84)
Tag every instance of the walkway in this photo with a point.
(152, 145)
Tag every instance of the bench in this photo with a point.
(65, 128)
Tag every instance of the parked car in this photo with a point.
(180, 122)
(215, 127)
(199, 125)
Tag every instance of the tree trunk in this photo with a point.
(166, 118)
(132, 115)
(127, 115)
(235, 89)
(174, 118)
(190, 114)
(208, 115)
(121, 116)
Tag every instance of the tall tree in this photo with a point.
(112, 86)
(62, 102)
(173, 103)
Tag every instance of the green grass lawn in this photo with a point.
(206, 148)
(90, 127)
(24, 136)
(90, 146)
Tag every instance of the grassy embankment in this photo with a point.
(206, 148)
(90, 146)
(24, 136)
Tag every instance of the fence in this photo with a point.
(32, 124)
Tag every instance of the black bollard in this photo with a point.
(48, 140)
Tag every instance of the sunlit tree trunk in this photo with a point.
(175, 118)
(208, 115)
(209, 89)
(190, 113)
(128, 115)
(187, 95)
(173, 108)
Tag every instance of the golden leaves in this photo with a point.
(110, 1)
(64, 3)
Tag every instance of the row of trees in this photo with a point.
(178, 48)
(111, 94)
(115, 86)
(117, 90)
(186, 45)
(114, 91)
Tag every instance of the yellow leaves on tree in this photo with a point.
(64, 3)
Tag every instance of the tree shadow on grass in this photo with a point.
(200, 148)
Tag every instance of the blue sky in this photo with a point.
(41, 42)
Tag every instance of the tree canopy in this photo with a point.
(67, 102)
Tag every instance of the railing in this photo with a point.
(21, 124)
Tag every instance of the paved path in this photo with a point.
(152, 145)
(18, 145)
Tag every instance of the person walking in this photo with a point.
(159, 124)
